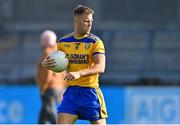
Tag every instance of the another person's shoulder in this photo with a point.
(66, 38)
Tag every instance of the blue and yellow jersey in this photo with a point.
(80, 52)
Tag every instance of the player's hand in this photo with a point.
(72, 76)
(49, 63)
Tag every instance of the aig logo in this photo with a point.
(159, 106)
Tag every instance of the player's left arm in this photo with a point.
(99, 67)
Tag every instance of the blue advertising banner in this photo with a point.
(147, 105)
(152, 105)
(19, 104)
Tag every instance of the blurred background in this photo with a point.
(142, 40)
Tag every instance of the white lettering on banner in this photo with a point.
(11, 112)
(155, 109)
(15, 111)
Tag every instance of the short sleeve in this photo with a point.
(98, 47)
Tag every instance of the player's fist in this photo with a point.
(49, 63)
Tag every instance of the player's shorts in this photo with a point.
(87, 103)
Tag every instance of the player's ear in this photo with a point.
(75, 19)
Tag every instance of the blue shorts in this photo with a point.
(87, 103)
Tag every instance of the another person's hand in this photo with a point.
(49, 63)
(72, 75)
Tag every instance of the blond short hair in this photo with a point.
(80, 9)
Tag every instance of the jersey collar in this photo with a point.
(80, 37)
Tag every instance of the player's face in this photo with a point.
(84, 23)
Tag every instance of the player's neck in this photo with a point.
(78, 34)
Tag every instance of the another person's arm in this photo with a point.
(43, 76)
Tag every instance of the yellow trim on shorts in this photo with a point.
(103, 111)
